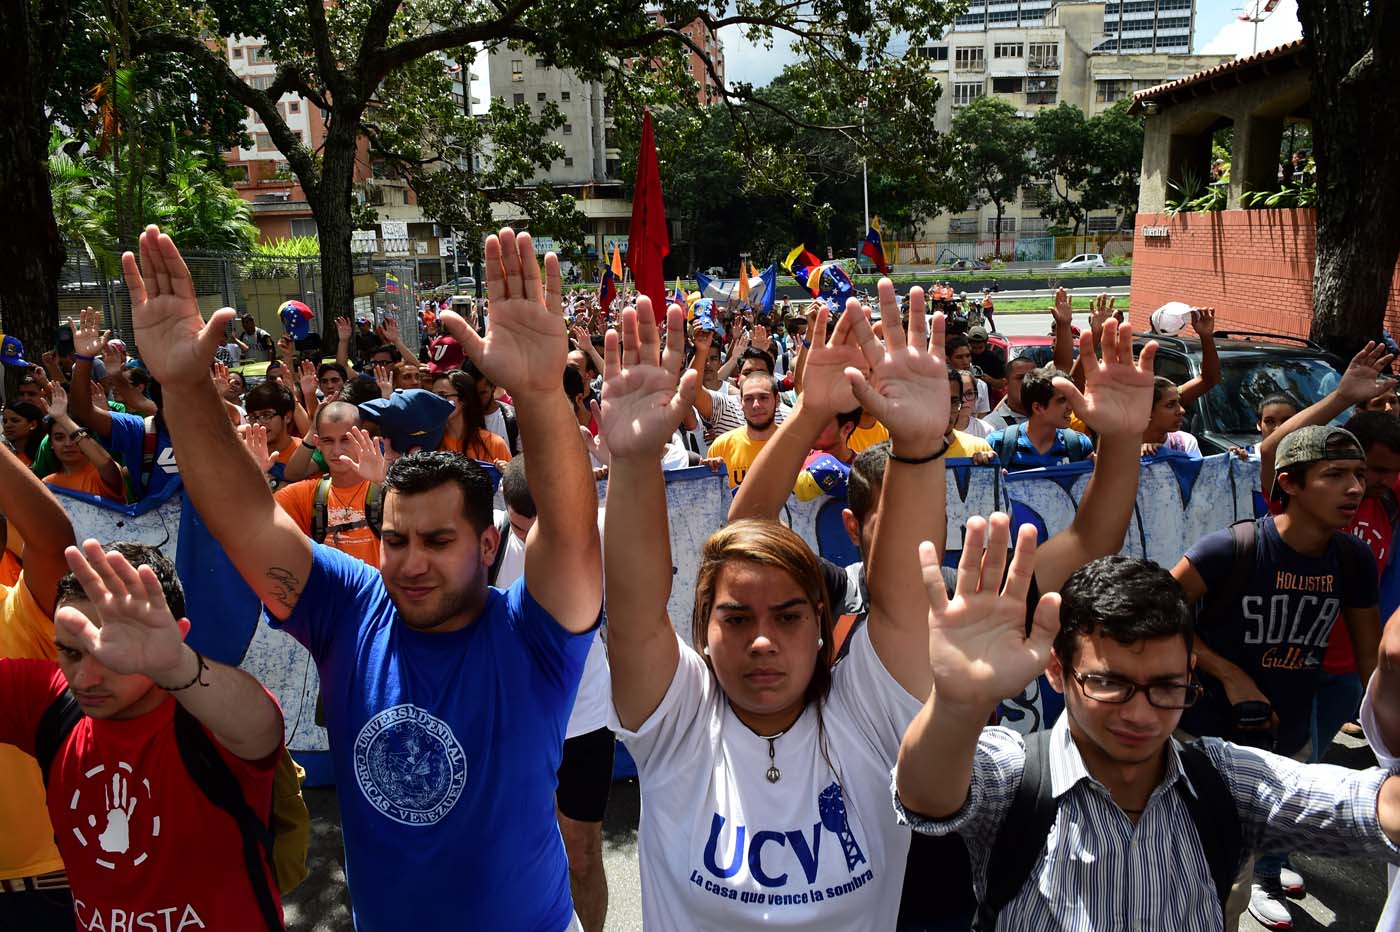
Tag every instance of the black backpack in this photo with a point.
(320, 512)
(1027, 825)
(212, 775)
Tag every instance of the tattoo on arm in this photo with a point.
(286, 587)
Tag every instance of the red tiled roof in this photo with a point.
(1296, 47)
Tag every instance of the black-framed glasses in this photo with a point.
(1116, 690)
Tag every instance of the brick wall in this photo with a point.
(1254, 266)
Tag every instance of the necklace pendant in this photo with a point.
(774, 774)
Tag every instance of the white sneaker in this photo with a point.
(1268, 906)
(1292, 883)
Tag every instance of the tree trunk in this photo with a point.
(31, 252)
(330, 204)
(1356, 138)
(1000, 210)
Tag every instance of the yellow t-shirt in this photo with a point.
(963, 445)
(863, 437)
(26, 843)
(738, 453)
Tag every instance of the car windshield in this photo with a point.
(1247, 380)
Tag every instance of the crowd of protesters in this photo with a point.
(817, 746)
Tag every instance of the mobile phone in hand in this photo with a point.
(64, 343)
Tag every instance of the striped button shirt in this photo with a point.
(1100, 872)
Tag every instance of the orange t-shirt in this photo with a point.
(489, 447)
(85, 479)
(346, 529)
(9, 568)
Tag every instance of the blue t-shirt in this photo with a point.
(445, 748)
(1277, 631)
(129, 441)
(1027, 456)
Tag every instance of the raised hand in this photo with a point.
(384, 378)
(177, 345)
(111, 358)
(643, 402)
(368, 459)
(1117, 397)
(1363, 379)
(702, 336)
(580, 336)
(1203, 321)
(286, 348)
(907, 388)
(89, 339)
(58, 402)
(1064, 308)
(390, 329)
(220, 376)
(977, 643)
(825, 388)
(762, 339)
(254, 438)
(343, 329)
(136, 633)
(526, 342)
(306, 378)
(595, 444)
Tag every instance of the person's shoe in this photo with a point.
(1292, 883)
(1268, 906)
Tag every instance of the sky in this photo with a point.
(1218, 31)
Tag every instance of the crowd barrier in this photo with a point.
(1179, 500)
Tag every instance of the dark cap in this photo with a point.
(978, 334)
(1313, 444)
(411, 418)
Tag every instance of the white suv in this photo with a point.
(1088, 260)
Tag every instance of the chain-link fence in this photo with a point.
(256, 285)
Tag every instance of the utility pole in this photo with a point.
(464, 69)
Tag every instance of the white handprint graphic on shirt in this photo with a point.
(116, 837)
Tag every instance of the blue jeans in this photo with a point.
(1338, 700)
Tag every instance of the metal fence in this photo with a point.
(256, 285)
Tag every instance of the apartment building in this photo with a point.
(1128, 26)
(1048, 53)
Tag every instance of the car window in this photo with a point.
(1172, 366)
(1247, 380)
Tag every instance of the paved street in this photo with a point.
(1344, 895)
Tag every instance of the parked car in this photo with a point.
(464, 285)
(1085, 260)
(715, 271)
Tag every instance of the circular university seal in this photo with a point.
(409, 765)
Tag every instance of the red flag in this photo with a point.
(648, 242)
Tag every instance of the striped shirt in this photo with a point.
(1099, 871)
(728, 411)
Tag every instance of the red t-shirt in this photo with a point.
(1372, 525)
(143, 847)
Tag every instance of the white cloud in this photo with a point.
(1237, 37)
(746, 61)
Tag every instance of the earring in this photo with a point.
(820, 643)
(707, 650)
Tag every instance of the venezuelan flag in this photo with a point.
(607, 283)
(391, 283)
(802, 264)
(874, 247)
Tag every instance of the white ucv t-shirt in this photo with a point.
(724, 849)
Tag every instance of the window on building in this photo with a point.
(539, 97)
(970, 58)
(1042, 90)
(253, 116)
(966, 93)
(1108, 91)
(304, 227)
(293, 106)
(568, 129)
(518, 99)
(541, 63)
(962, 225)
(1008, 50)
(517, 70)
(1008, 85)
(1002, 16)
(568, 161)
(564, 95)
(255, 55)
(933, 52)
(238, 174)
(261, 81)
(264, 142)
(1043, 55)
(1102, 224)
(1008, 224)
(1034, 225)
(1035, 195)
(237, 52)
(404, 192)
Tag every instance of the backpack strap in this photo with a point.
(216, 781)
(55, 725)
(1022, 836)
(1006, 446)
(512, 431)
(503, 529)
(320, 512)
(1077, 445)
(1213, 812)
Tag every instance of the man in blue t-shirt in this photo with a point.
(1265, 617)
(1045, 438)
(446, 700)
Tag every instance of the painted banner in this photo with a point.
(1179, 500)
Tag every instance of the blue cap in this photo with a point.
(410, 418)
(12, 352)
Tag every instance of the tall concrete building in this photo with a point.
(1038, 54)
(1128, 25)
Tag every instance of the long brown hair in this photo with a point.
(766, 543)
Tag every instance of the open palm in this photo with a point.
(1117, 397)
(176, 344)
(907, 388)
(137, 632)
(645, 395)
(978, 648)
(825, 388)
(526, 342)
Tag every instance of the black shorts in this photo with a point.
(585, 776)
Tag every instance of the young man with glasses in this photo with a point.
(270, 407)
(1129, 828)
